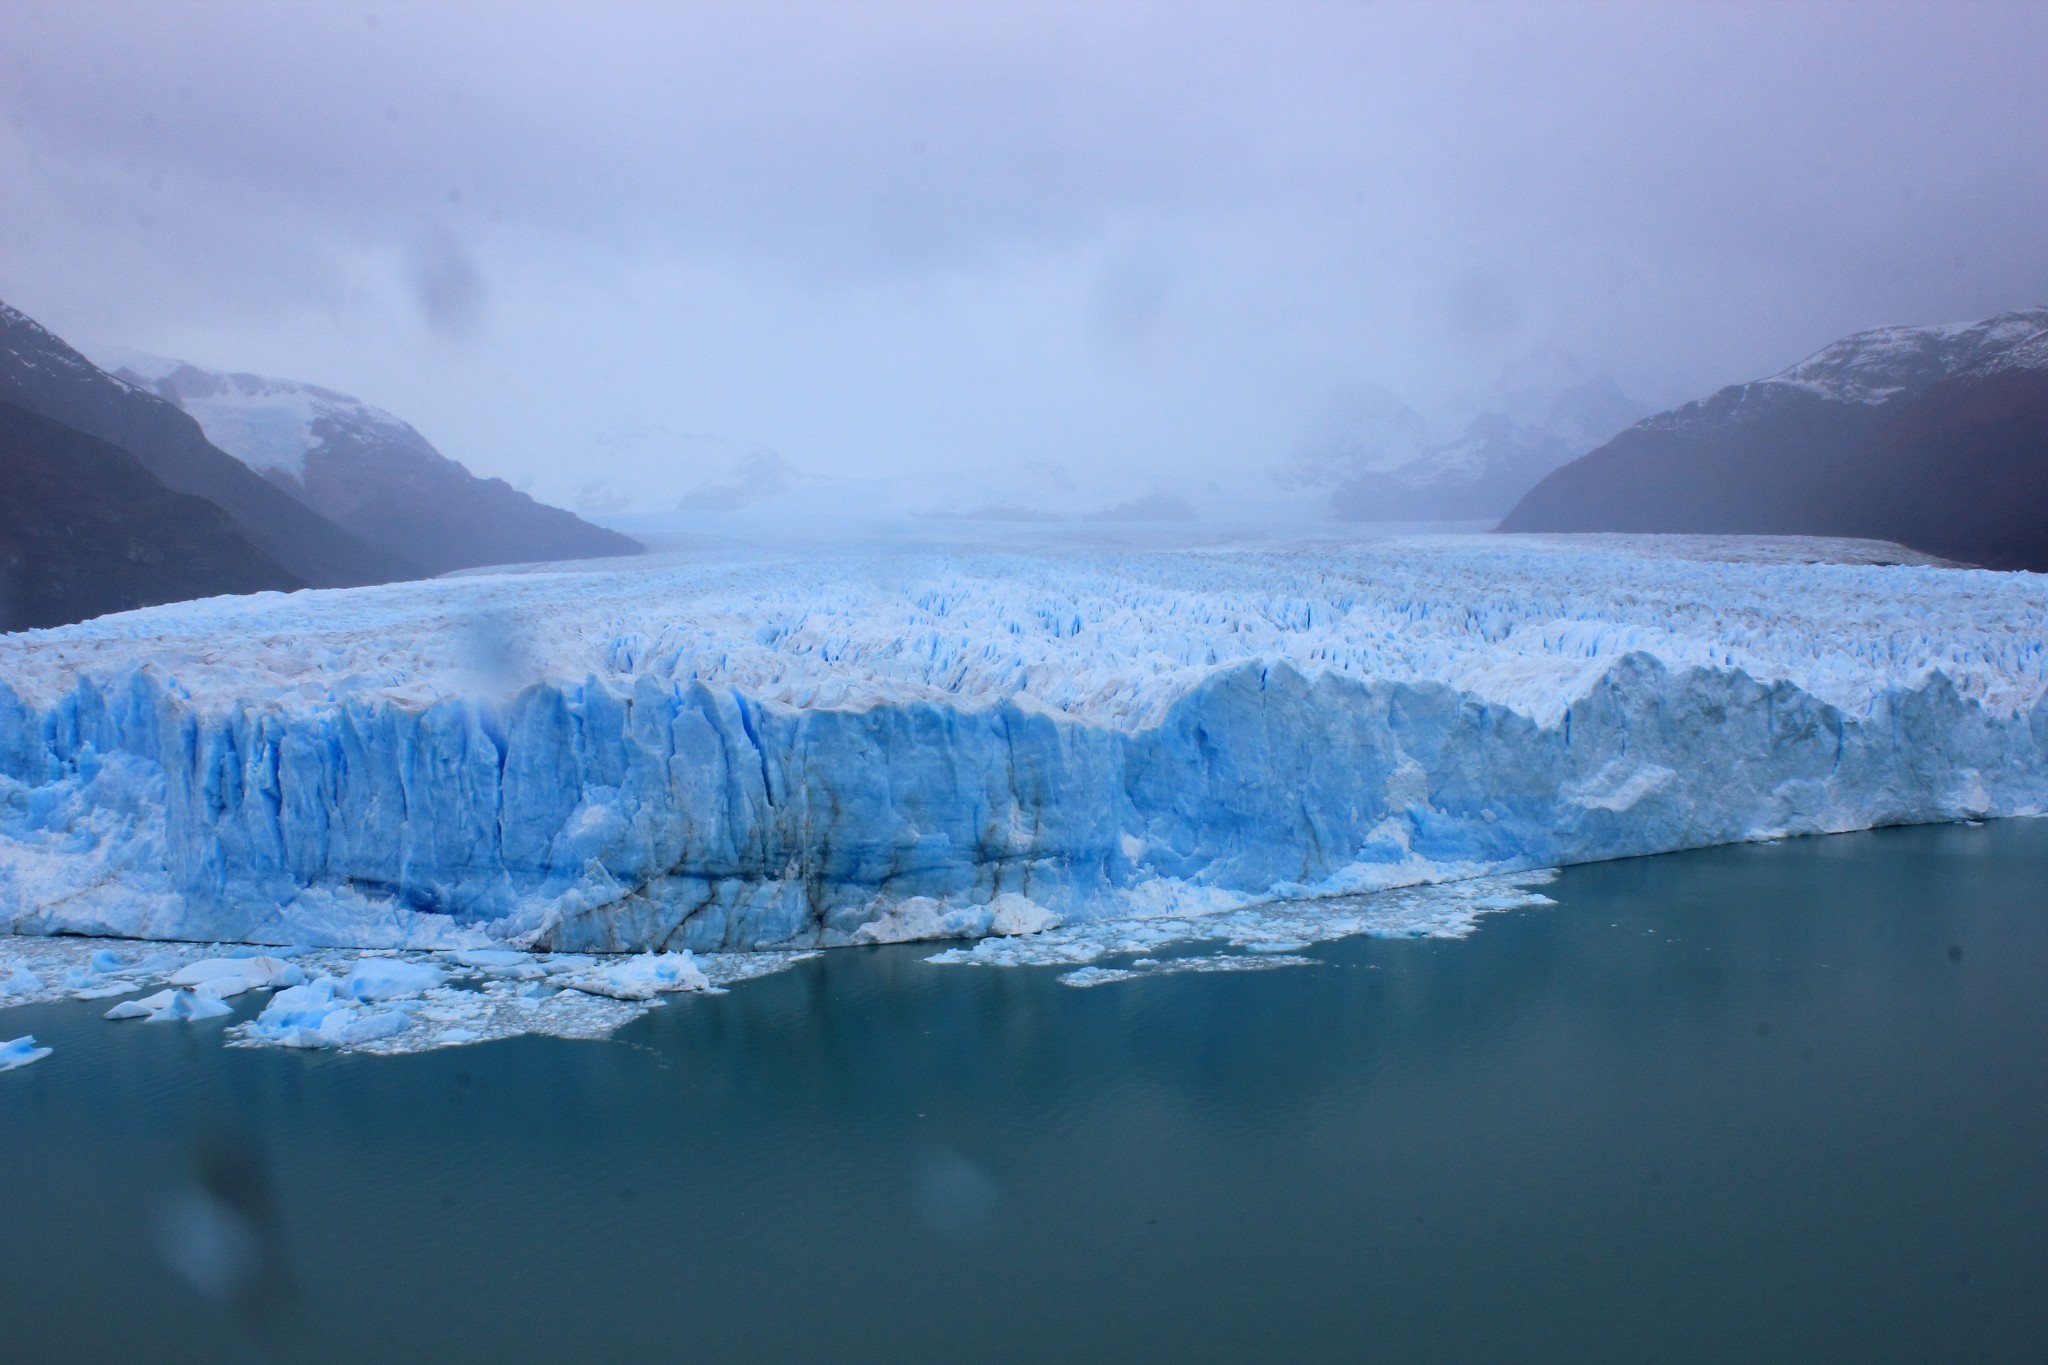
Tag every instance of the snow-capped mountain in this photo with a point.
(1397, 471)
(1885, 363)
(1935, 437)
(754, 477)
(41, 373)
(367, 470)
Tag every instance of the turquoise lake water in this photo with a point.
(1773, 1103)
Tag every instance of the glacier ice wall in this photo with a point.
(1096, 736)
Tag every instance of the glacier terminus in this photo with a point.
(802, 750)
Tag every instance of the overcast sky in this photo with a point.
(581, 242)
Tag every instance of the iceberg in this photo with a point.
(317, 1015)
(178, 1004)
(832, 748)
(21, 1051)
(223, 978)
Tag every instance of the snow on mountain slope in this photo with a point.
(1928, 436)
(789, 753)
(754, 477)
(269, 425)
(366, 470)
(1485, 453)
(1884, 362)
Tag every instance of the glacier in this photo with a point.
(790, 750)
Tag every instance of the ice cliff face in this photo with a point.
(794, 753)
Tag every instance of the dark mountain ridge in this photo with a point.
(368, 471)
(86, 530)
(1499, 455)
(1934, 437)
(41, 373)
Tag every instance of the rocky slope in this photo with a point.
(368, 471)
(1935, 437)
(86, 530)
(39, 372)
(1499, 453)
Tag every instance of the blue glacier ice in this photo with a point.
(815, 750)
(21, 1051)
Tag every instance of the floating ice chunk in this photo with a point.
(922, 917)
(1016, 915)
(172, 1006)
(139, 1009)
(302, 1006)
(499, 962)
(20, 981)
(487, 958)
(21, 1051)
(389, 978)
(101, 989)
(312, 1015)
(1174, 966)
(346, 1027)
(192, 1004)
(643, 977)
(226, 977)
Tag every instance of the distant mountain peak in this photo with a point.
(1932, 437)
(271, 425)
(753, 477)
(1881, 363)
(365, 469)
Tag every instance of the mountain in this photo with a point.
(86, 530)
(367, 471)
(1934, 437)
(754, 477)
(43, 374)
(1483, 471)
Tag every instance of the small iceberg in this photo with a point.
(389, 978)
(317, 1015)
(178, 1004)
(20, 981)
(21, 1051)
(643, 977)
(227, 977)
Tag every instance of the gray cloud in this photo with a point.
(897, 236)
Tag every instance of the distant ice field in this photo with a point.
(723, 749)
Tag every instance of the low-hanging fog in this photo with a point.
(601, 250)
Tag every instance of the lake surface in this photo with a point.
(1773, 1103)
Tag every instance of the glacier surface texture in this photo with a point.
(832, 748)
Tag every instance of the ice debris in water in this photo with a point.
(1273, 932)
(21, 1051)
(20, 981)
(922, 917)
(313, 1015)
(414, 1001)
(226, 977)
(642, 977)
(1150, 966)
(389, 978)
(173, 1005)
